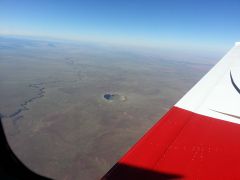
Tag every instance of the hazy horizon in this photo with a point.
(190, 25)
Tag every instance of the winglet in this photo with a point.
(237, 43)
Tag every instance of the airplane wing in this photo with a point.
(198, 138)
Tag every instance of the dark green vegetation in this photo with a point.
(55, 117)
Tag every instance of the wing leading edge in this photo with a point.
(198, 138)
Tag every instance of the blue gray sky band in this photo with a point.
(200, 24)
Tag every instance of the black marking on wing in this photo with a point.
(227, 114)
(234, 84)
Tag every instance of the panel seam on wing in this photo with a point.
(172, 142)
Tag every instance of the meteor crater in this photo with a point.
(114, 97)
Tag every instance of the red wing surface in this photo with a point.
(199, 138)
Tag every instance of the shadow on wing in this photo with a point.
(126, 172)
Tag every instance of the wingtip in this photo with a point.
(237, 43)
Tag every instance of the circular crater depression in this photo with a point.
(114, 97)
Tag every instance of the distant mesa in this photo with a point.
(114, 97)
(51, 45)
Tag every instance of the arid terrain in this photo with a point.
(54, 112)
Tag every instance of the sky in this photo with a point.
(191, 24)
